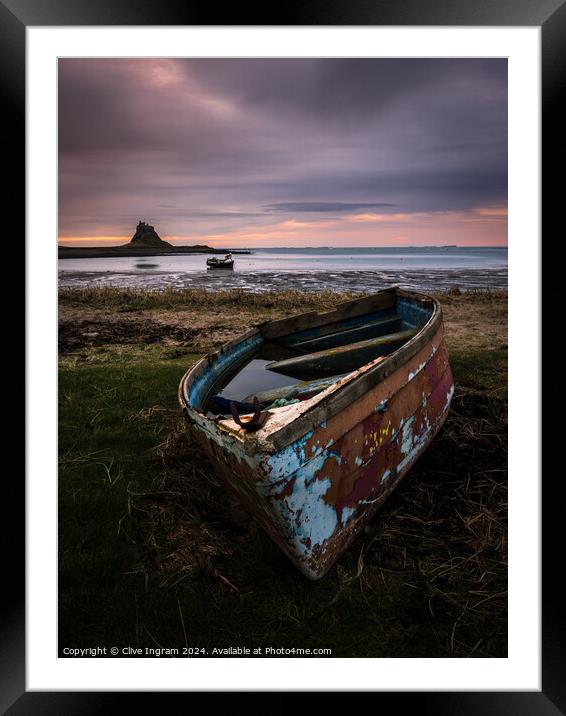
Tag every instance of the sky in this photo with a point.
(284, 152)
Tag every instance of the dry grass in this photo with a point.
(199, 321)
(446, 529)
(126, 299)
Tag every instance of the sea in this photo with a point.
(306, 269)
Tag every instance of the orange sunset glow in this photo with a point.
(483, 226)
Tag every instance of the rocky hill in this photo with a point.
(145, 242)
(146, 237)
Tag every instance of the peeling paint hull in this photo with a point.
(318, 470)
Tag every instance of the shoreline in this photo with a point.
(92, 252)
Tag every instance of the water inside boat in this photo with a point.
(253, 380)
(301, 364)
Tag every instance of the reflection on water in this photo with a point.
(249, 380)
(145, 265)
(252, 379)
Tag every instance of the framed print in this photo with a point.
(279, 279)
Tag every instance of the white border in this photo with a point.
(521, 670)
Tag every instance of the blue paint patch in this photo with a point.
(418, 445)
(317, 519)
(407, 435)
(290, 459)
(347, 512)
(306, 516)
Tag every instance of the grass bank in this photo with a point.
(154, 552)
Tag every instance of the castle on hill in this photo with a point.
(147, 236)
(142, 226)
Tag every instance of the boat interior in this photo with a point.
(276, 367)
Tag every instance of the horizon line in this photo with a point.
(305, 246)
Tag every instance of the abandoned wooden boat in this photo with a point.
(225, 263)
(341, 405)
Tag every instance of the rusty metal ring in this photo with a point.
(250, 424)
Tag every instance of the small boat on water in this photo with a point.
(313, 420)
(226, 263)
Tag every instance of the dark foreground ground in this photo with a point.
(155, 553)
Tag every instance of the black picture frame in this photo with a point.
(550, 15)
